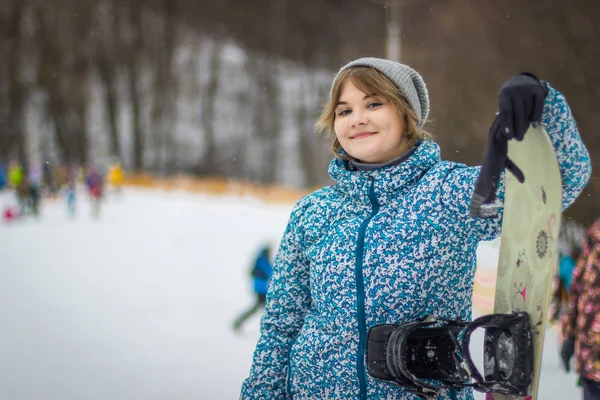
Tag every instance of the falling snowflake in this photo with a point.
(541, 245)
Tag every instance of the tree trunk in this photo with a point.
(134, 98)
(133, 64)
(17, 95)
(164, 99)
(305, 148)
(209, 155)
(170, 89)
(108, 77)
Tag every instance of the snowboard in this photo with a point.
(528, 249)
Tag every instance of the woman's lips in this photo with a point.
(362, 135)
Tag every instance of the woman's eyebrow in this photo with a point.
(344, 102)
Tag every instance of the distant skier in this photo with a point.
(570, 242)
(562, 284)
(261, 273)
(34, 180)
(16, 179)
(95, 185)
(392, 241)
(15, 175)
(3, 178)
(50, 183)
(70, 186)
(116, 176)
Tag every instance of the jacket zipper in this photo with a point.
(360, 292)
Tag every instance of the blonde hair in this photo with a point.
(372, 82)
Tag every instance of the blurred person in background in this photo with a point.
(50, 183)
(18, 181)
(570, 247)
(392, 241)
(581, 323)
(10, 211)
(70, 189)
(95, 185)
(116, 175)
(3, 180)
(15, 175)
(63, 173)
(261, 273)
(23, 194)
(34, 181)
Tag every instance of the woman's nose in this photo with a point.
(358, 118)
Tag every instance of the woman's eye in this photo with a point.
(373, 104)
(343, 112)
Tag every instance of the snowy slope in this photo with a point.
(139, 303)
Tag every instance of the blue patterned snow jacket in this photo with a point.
(381, 246)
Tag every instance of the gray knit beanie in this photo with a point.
(405, 78)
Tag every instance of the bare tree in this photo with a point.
(164, 89)
(14, 90)
(209, 98)
(107, 58)
(305, 147)
(63, 43)
(313, 150)
(266, 121)
(131, 38)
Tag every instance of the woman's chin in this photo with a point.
(368, 157)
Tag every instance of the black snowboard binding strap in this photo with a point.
(411, 353)
(427, 355)
(508, 353)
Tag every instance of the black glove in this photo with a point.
(521, 101)
(495, 161)
(566, 352)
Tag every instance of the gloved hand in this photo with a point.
(495, 161)
(566, 352)
(521, 102)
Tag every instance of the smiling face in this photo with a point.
(369, 81)
(369, 127)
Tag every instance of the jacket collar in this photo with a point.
(388, 180)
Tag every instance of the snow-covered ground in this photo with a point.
(138, 304)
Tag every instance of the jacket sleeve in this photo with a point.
(573, 160)
(288, 301)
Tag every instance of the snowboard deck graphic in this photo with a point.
(530, 227)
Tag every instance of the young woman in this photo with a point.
(392, 240)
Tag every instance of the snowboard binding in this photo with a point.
(432, 354)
